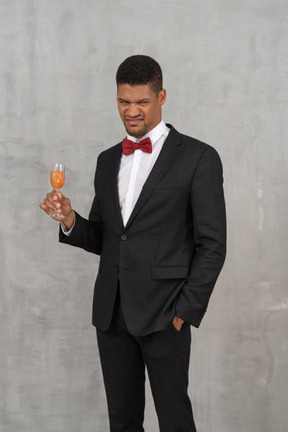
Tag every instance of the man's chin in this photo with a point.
(135, 132)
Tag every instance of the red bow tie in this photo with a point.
(129, 146)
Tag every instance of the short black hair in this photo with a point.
(140, 70)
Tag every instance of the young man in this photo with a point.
(158, 223)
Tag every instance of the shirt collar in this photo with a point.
(154, 135)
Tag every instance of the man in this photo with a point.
(158, 223)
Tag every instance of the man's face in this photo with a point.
(139, 108)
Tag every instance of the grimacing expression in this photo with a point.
(139, 108)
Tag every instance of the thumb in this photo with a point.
(61, 197)
(65, 202)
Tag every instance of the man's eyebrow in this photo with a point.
(139, 101)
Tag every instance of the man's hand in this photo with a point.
(178, 322)
(58, 201)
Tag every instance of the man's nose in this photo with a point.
(133, 110)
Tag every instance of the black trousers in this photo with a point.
(166, 355)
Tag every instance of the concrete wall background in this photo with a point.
(225, 67)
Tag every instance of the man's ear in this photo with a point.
(162, 96)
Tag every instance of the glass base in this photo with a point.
(55, 214)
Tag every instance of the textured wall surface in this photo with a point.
(225, 67)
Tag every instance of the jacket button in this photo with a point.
(116, 269)
(123, 237)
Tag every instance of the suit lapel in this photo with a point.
(170, 151)
(113, 179)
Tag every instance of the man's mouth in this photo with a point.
(133, 122)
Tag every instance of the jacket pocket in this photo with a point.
(170, 272)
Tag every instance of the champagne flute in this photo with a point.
(57, 179)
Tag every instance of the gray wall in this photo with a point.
(225, 65)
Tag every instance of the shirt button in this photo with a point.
(123, 237)
(116, 269)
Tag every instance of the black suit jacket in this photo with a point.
(169, 255)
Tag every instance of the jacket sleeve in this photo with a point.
(86, 233)
(209, 222)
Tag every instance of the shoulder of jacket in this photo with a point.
(111, 150)
(190, 142)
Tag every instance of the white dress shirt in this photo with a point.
(134, 171)
(136, 167)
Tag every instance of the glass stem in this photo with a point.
(56, 193)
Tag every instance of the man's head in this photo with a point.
(140, 95)
(140, 70)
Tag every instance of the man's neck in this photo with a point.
(153, 134)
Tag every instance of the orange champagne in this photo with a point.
(57, 179)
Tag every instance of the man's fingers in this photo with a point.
(178, 322)
(49, 203)
(65, 202)
(46, 209)
(56, 201)
(58, 196)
